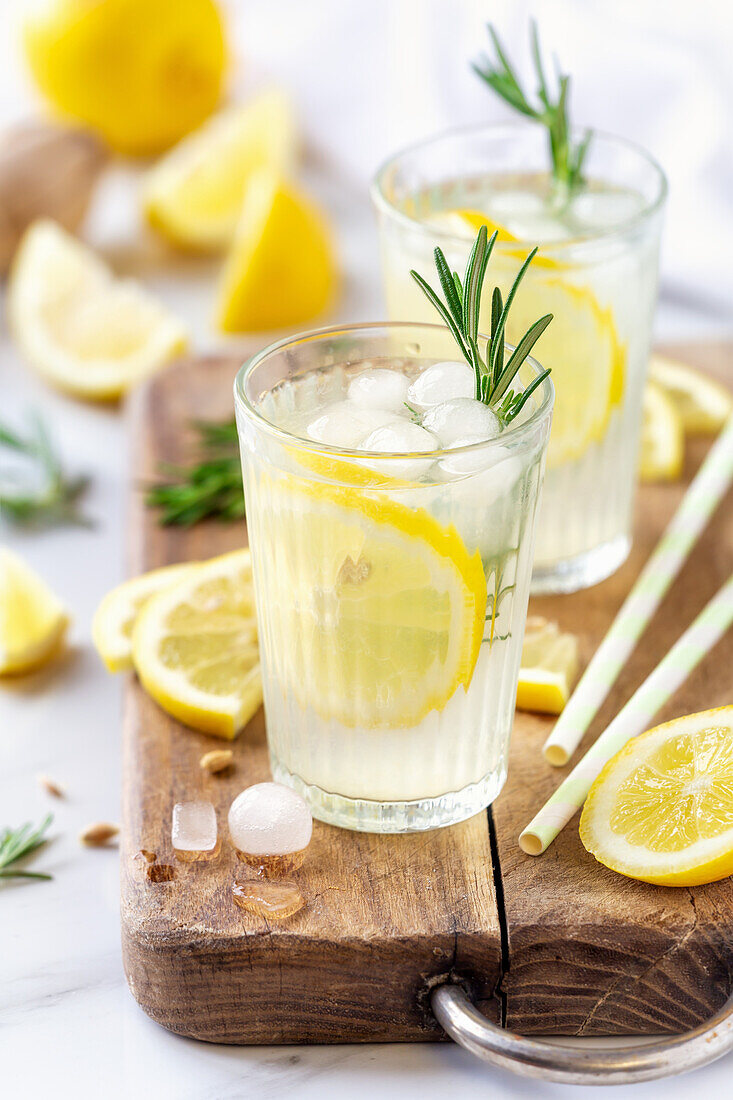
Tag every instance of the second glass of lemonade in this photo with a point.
(391, 574)
(596, 272)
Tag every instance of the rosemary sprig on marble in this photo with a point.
(17, 844)
(552, 113)
(34, 488)
(460, 310)
(209, 487)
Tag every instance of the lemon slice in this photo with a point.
(662, 437)
(280, 270)
(379, 610)
(82, 329)
(662, 809)
(194, 646)
(548, 669)
(194, 194)
(702, 404)
(32, 620)
(114, 618)
(466, 223)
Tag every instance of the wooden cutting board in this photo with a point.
(557, 945)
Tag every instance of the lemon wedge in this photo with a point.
(662, 437)
(548, 669)
(280, 270)
(466, 223)
(193, 196)
(662, 809)
(380, 609)
(194, 646)
(702, 404)
(115, 617)
(32, 620)
(142, 73)
(82, 329)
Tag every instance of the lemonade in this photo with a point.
(391, 522)
(596, 272)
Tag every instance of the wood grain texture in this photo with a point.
(591, 953)
(384, 915)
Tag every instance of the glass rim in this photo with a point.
(385, 206)
(508, 434)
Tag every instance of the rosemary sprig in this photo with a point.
(54, 499)
(460, 311)
(16, 844)
(211, 486)
(567, 158)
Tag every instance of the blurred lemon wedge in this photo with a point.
(32, 620)
(115, 617)
(193, 196)
(548, 668)
(194, 646)
(662, 437)
(702, 404)
(662, 809)
(81, 328)
(280, 270)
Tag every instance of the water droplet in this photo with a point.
(274, 900)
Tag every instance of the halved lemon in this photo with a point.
(115, 617)
(702, 404)
(194, 646)
(32, 620)
(662, 809)
(194, 194)
(280, 270)
(379, 610)
(662, 437)
(548, 669)
(80, 327)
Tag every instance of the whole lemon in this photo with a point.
(142, 73)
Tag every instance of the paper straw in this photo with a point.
(689, 650)
(698, 504)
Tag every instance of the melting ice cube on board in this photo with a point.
(461, 418)
(440, 382)
(274, 900)
(270, 826)
(379, 388)
(345, 424)
(194, 834)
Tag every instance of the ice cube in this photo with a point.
(380, 388)
(276, 900)
(440, 382)
(501, 467)
(402, 437)
(598, 210)
(193, 831)
(345, 423)
(270, 826)
(461, 418)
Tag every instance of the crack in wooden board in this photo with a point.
(384, 915)
(592, 953)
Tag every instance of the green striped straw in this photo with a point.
(698, 504)
(635, 717)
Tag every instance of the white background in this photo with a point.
(367, 77)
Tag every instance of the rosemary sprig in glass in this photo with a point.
(567, 158)
(16, 844)
(211, 486)
(460, 311)
(48, 496)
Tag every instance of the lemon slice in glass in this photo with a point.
(193, 196)
(662, 437)
(194, 646)
(80, 327)
(662, 809)
(548, 669)
(702, 404)
(32, 620)
(380, 608)
(115, 617)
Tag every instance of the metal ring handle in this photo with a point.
(578, 1065)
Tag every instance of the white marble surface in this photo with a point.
(68, 1026)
